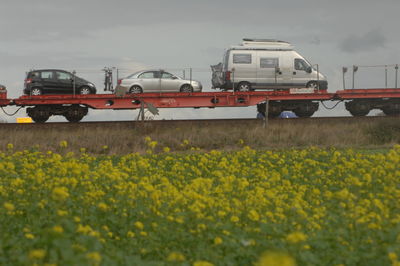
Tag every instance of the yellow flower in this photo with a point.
(37, 254)
(9, 206)
(202, 263)
(139, 225)
(29, 236)
(254, 216)
(147, 139)
(296, 237)
(234, 219)
(143, 233)
(94, 257)
(62, 213)
(152, 144)
(218, 240)
(63, 144)
(10, 146)
(58, 229)
(166, 149)
(130, 234)
(102, 206)
(276, 259)
(175, 256)
(60, 193)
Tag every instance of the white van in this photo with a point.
(265, 64)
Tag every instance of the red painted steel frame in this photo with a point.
(367, 94)
(172, 100)
(3, 99)
(198, 99)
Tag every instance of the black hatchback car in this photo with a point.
(54, 81)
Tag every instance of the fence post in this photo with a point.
(266, 113)
(397, 70)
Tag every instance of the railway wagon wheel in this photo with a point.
(358, 108)
(39, 114)
(306, 110)
(75, 113)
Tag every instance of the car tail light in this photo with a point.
(119, 81)
(27, 81)
(227, 75)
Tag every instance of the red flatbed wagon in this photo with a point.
(360, 102)
(303, 102)
(75, 107)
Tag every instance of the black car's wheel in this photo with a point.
(135, 89)
(244, 86)
(85, 90)
(186, 88)
(36, 91)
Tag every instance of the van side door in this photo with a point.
(302, 77)
(243, 64)
(285, 79)
(267, 71)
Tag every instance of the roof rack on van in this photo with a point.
(263, 44)
(262, 40)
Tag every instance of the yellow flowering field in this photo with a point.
(247, 207)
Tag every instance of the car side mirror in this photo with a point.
(309, 69)
(173, 77)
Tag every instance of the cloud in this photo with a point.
(361, 43)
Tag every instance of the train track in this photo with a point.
(342, 119)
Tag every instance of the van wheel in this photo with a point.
(312, 84)
(244, 86)
(135, 89)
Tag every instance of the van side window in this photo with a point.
(269, 62)
(300, 64)
(242, 58)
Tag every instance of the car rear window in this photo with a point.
(46, 74)
(33, 75)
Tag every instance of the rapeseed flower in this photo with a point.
(276, 259)
(37, 254)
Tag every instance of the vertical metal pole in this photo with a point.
(344, 82)
(233, 80)
(266, 113)
(117, 77)
(318, 76)
(184, 74)
(397, 70)
(386, 72)
(74, 83)
(353, 77)
(190, 76)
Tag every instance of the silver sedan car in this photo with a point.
(158, 81)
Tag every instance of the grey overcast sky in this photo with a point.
(87, 35)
